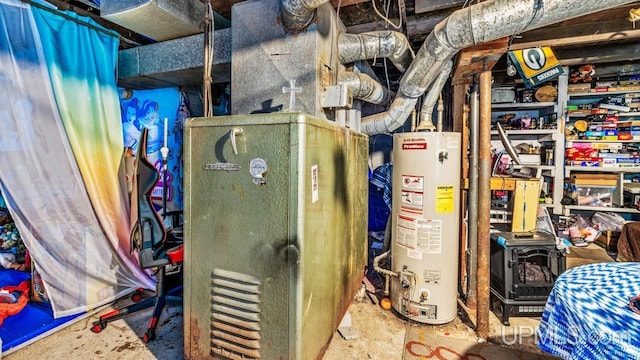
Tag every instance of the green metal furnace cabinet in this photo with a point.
(275, 234)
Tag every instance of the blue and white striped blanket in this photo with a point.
(587, 315)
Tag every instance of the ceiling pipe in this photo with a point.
(363, 87)
(384, 43)
(476, 24)
(430, 100)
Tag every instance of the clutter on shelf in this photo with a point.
(600, 229)
(582, 74)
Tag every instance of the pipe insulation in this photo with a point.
(430, 100)
(476, 24)
(364, 87)
(384, 43)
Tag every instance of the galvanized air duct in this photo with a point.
(364, 67)
(363, 87)
(298, 14)
(385, 43)
(430, 100)
(477, 24)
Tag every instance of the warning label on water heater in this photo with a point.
(412, 194)
(406, 232)
(429, 236)
(444, 199)
(424, 236)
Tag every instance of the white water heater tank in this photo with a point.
(425, 225)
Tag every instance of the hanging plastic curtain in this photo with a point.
(61, 149)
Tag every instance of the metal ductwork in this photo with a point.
(400, 109)
(477, 24)
(157, 19)
(430, 100)
(175, 62)
(363, 87)
(385, 43)
(296, 15)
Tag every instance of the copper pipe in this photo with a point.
(484, 205)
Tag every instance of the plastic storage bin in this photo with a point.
(595, 195)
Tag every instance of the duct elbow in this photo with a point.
(388, 121)
(402, 55)
(364, 88)
(385, 43)
(296, 15)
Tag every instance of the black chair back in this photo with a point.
(148, 233)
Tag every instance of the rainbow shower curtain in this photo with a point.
(60, 154)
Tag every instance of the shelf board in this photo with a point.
(602, 169)
(599, 93)
(602, 208)
(624, 114)
(532, 166)
(567, 141)
(532, 105)
(527, 132)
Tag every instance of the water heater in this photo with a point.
(425, 225)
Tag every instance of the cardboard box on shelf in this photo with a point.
(594, 179)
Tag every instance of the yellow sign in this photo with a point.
(444, 199)
(536, 65)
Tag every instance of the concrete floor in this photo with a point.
(380, 335)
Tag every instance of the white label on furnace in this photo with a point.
(429, 236)
(406, 232)
(314, 183)
(257, 168)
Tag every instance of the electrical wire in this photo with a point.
(333, 38)
(208, 60)
(384, 60)
(386, 19)
(536, 6)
